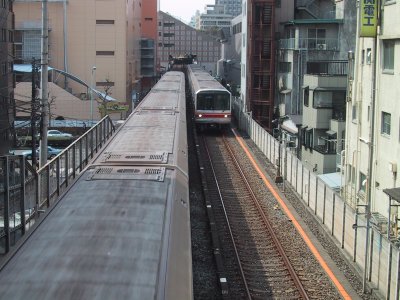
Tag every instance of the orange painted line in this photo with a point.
(296, 224)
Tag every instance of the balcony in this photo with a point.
(327, 68)
(309, 44)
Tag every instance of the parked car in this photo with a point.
(51, 152)
(58, 135)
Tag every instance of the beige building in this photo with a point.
(95, 41)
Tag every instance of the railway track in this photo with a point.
(256, 264)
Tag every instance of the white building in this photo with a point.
(232, 7)
(214, 17)
(374, 114)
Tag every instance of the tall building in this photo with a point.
(372, 156)
(95, 41)
(312, 80)
(177, 38)
(148, 45)
(214, 18)
(232, 7)
(7, 103)
(258, 60)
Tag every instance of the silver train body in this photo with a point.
(212, 101)
(122, 230)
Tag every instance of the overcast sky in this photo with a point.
(184, 9)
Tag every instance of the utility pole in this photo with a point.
(33, 111)
(44, 84)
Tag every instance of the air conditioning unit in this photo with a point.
(321, 46)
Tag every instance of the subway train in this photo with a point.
(122, 230)
(212, 101)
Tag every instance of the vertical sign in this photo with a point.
(369, 18)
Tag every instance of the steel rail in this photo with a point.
(227, 220)
(268, 225)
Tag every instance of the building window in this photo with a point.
(369, 56)
(385, 124)
(104, 52)
(388, 55)
(354, 113)
(148, 19)
(285, 67)
(329, 99)
(316, 39)
(362, 56)
(4, 35)
(306, 95)
(105, 22)
(362, 182)
(105, 83)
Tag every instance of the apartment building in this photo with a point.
(312, 80)
(7, 103)
(177, 38)
(372, 154)
(93, 41)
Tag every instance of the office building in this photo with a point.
(93, 41)
(7, 103)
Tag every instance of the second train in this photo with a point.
(212, 101)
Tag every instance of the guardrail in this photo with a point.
(26, 193)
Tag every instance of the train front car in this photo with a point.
(212, 101)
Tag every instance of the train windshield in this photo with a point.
(213, 101)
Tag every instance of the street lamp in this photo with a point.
(91, 94)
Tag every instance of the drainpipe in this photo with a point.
(370, 158)
(65, 29)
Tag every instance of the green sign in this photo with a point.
(369, 18)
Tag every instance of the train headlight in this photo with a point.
(225, 116)
(200, 115)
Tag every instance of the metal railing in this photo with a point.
(327, 67)
(309, 44)
(26, 193)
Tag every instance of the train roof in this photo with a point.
(202, 80)
(113, 234)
